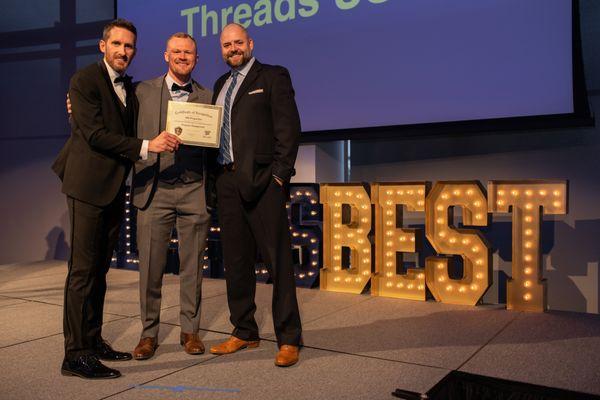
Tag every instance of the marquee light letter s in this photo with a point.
(306, 231)
(468, 243)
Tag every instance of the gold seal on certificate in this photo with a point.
(196, 124)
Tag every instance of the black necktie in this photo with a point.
(187, 88)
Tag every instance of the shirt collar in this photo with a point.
(243, 71)
(170, 81)
(111, 72)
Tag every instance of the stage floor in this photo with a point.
(356, 346)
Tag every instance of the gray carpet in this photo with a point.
(356, 346)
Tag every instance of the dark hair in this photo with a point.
(118, 23)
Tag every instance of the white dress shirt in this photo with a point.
(177, 95)
(119, 88)
(221, 99)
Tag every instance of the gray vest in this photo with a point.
(186, 164)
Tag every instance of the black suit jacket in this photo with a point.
(96, 159)
(265, 128)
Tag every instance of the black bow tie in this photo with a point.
(126, 79)
(187, 88)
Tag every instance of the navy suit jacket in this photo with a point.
(265, 128)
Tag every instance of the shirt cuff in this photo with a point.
(144, 150)
(279, 178)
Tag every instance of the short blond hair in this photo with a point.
(181, 35)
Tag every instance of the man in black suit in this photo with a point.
(93, 166)
(259, 143)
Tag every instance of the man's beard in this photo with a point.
(243, 59)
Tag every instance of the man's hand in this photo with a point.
(69, 105)
(278, 180)
(164, 142)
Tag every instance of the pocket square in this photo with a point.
(257, 91)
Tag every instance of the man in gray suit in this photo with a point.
(169, 192)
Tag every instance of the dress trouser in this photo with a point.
(245, 228)
(181, 206)
(94, 234)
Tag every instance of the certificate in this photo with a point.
(196, 124)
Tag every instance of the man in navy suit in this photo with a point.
(259, 144)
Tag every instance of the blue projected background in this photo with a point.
(368, 63)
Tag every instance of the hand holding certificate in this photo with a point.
(196, 124)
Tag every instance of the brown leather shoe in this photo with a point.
(287, 356)
(232, 345)
(191, 343)
(145, 348)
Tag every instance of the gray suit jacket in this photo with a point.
(153, 96)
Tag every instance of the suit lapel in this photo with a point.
(218, 87)
(195, 95)
(132, 107)
(135, 111)
(248, 80)
(116, 100)
(163, 91)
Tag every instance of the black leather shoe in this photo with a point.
(107, 353)
(88, 367)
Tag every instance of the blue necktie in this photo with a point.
(224, 149)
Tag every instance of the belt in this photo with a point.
(227, 167)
